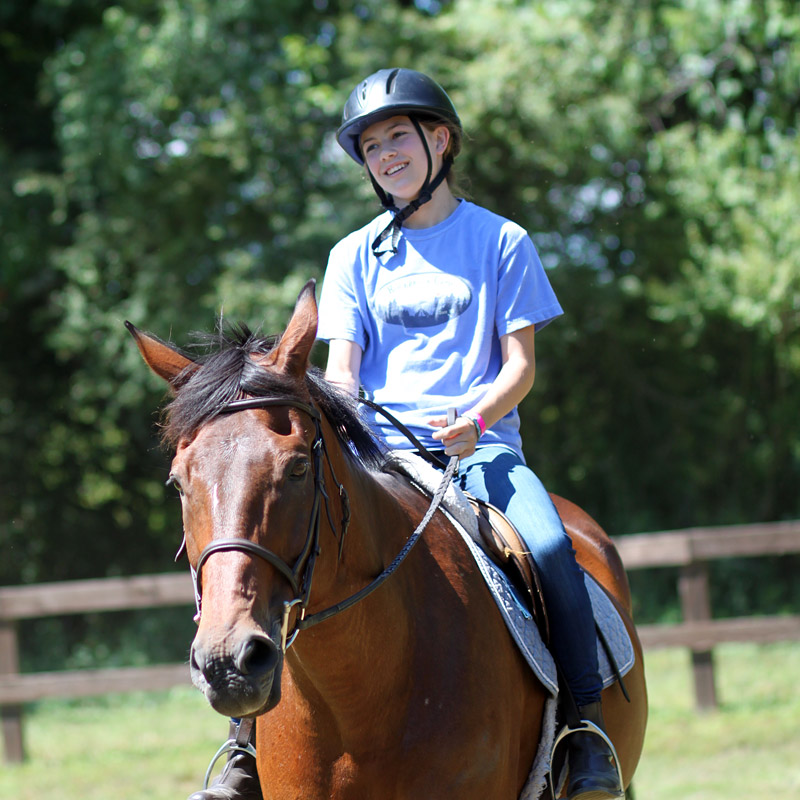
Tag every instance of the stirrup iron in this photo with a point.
(590, 727)
(241, 743)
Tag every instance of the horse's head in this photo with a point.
(246, 432)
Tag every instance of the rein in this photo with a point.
(300, 575)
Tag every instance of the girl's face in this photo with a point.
(394, 154)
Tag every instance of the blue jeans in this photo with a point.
(498, 476)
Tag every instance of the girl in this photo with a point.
(436, 303)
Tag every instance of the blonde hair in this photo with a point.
(456, 181)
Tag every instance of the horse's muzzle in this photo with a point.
(239, 677)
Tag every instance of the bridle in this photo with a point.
(300, 575)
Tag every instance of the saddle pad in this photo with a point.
(428, 478)
(519, 621)
(523, 628)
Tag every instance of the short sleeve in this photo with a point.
(524, 294)
(340, 302)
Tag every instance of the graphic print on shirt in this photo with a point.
(422, 300)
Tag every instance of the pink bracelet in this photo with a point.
(480, 422)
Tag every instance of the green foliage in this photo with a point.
(169, 162)
(652, 153)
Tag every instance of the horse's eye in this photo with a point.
(299, 469)
(173, 481)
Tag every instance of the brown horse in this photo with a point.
(417, 690)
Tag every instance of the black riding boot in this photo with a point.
(238, 779)
(592, 772)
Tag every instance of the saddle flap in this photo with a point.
(506, 547)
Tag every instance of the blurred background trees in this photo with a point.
(166, 162)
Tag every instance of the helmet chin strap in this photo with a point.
(392, 230)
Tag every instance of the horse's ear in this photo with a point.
(163, 359)
(291, 355)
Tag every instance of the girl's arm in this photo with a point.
(344, 365)
(511, 385)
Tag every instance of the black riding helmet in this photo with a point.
(389, 93)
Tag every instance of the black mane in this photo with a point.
(229, 373)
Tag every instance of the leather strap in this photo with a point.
(422, 451)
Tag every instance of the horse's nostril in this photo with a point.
(196, 659)
(257, 655)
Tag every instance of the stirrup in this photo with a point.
(241, 743)
(586, 727)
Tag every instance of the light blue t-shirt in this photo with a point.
(429, 318)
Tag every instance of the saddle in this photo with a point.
(505, 547)
(502, 543)
(488, 532)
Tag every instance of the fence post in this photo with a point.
(11, 715)
(696, 605)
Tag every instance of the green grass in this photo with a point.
(748, 748)
(157, 746)
(121, 747)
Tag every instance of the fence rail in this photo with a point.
(19, 603)
(688, 550)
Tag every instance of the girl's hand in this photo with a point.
(458, 439)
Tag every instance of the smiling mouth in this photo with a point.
(395, 169)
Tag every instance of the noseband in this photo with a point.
(300, 575)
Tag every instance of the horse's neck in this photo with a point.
(345, 665)
(345, 669)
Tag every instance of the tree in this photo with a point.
(168, 162)
(652, 152)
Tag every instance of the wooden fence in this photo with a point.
(79, 597)
(691, 551)
(688, 550)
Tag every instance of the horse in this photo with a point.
(290, 510)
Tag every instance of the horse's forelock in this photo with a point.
(229, 372)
